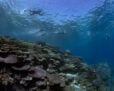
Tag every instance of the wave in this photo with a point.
(18, 21)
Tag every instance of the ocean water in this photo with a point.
(86, 29)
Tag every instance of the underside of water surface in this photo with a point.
(82, 29)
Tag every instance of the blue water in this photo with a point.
(84, 28)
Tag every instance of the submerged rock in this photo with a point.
(26, 66)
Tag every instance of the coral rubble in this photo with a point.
(26, 66)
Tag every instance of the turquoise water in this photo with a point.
(84, 28)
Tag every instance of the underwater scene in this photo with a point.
(56, 45)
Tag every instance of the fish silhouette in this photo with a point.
(34, 12)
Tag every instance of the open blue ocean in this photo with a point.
(83, 27)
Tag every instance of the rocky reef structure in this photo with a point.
(26, 66)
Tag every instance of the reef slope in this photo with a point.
(26, 66)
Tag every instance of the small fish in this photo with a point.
(34, 12)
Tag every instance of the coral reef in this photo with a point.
(26, 66)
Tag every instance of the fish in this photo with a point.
(36, 12)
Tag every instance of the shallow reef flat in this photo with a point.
(26, 66)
